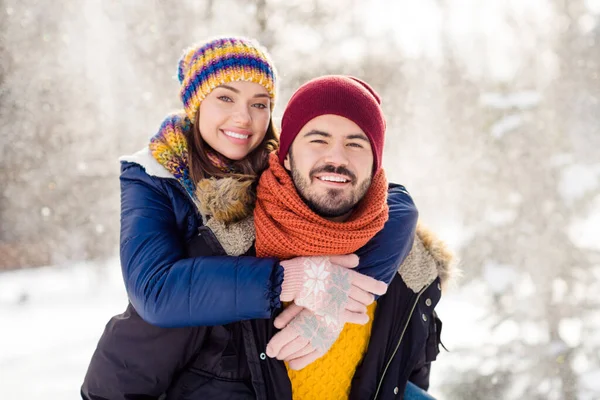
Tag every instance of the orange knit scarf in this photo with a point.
(286, 227)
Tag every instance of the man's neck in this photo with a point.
(341, 218)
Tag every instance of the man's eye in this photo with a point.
(318, 141)
(357, 145)
(226, 99)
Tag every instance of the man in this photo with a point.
(331, 147)
(325, 193)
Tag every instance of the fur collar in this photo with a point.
(428, 259)
(229, 203)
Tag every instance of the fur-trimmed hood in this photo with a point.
(428, 259)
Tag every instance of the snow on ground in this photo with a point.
(53, 317)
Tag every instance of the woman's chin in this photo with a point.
(234, 156)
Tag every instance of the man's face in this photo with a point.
(331, 163)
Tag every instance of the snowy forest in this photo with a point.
(493, 116)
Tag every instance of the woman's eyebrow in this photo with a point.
(234, 90)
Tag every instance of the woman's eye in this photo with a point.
(226, 99)
(260, 106)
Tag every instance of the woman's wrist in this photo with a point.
(293, 276)
(276, 286)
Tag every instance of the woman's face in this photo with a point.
(234, 117)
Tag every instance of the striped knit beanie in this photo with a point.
(204, 67)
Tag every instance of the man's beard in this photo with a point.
(333, 202)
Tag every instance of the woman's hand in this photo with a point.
(328, 286)
(305, 339)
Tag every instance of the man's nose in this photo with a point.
(337, 155)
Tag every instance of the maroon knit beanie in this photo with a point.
(345, 96)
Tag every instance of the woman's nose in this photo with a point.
(241, 116)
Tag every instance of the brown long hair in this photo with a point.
(248, 168)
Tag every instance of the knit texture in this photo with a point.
(286, 227)
(294, 278)
(340, 95)
(169, 148)
(202, 68)
(330, 377)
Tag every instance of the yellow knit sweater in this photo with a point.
(331, 375)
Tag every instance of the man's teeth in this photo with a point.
(236, 135)
(333, 179)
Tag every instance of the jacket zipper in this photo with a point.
(400, 340)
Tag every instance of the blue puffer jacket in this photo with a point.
(167, 289)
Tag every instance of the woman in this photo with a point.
(187, 205)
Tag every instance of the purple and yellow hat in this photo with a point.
(228, 59)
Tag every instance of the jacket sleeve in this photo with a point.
(136, 360)
(382, 256)
(169, 290)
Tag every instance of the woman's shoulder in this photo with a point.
(143, 163)
(145, 184)
(142, 168)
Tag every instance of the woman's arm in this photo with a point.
(382, 256)
(169, 290)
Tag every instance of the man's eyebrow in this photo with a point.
(358, 136)
(234, 90)
(315, 132)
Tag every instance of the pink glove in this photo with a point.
(304, 340)
(355, 313)
(328, 287)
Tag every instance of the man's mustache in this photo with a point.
(341, 170)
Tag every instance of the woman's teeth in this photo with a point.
(236, 135)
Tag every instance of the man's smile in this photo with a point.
(336, 180)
